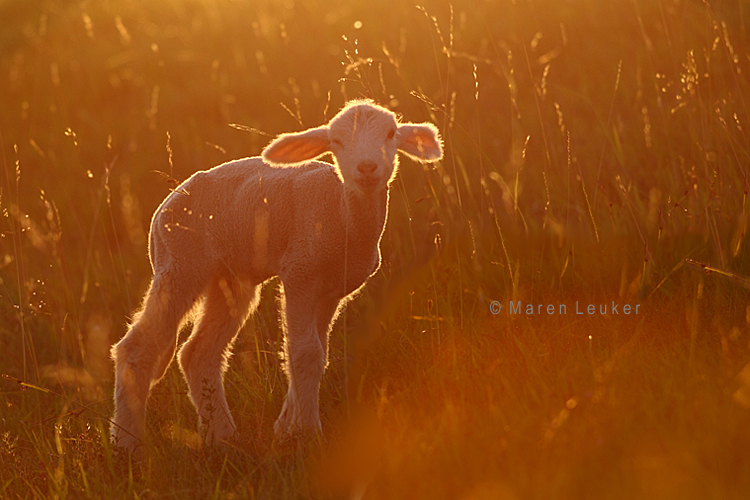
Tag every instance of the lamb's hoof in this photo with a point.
(136, 453)
(297, 440)
(125, 443)
(220, 437)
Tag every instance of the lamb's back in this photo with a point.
(241, 215)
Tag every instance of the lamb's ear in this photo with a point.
(298, 147)
(420, 141)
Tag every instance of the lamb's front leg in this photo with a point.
(305, 356)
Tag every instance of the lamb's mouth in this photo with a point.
(368, 183)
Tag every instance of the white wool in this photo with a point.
(221, 234)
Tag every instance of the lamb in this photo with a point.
(218, 237)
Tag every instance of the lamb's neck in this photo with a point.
(365, 215)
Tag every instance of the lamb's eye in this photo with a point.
(391, 134)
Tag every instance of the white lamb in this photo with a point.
(220, 235)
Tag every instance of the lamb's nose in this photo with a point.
(367, 167)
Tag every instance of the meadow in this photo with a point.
(597, 152)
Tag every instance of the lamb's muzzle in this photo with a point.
(224, 232)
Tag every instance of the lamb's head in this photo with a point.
(364, 139)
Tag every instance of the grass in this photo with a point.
(595, 152)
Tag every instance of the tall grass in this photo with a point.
(596, 152)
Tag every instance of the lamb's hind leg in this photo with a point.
(307, 322)
(142, 356)
(204, 356)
